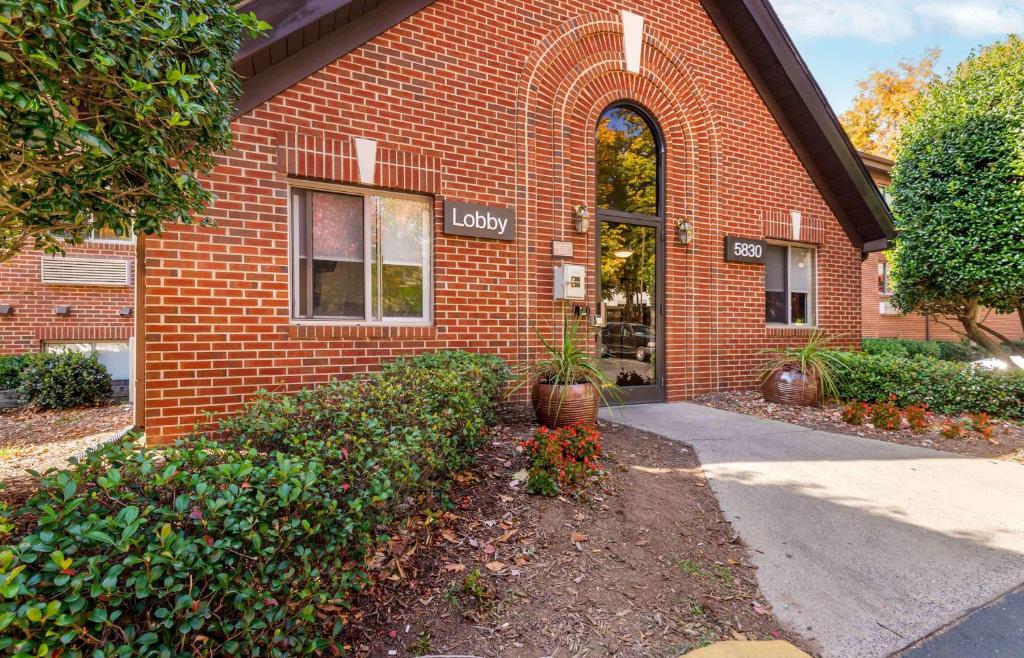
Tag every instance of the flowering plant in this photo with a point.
(918, 418)
(951, 429)
(886, 415)
(855, 412)
(982, 424)
(561, 458)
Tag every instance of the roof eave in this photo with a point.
(265, 85)
(864, 215)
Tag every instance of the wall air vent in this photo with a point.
(66, 271)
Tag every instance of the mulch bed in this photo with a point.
(1007, 439)
(40, 440)
(640, 564)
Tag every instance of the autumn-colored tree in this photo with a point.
(884, 102)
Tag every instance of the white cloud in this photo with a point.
(972, 20)
(895, 20)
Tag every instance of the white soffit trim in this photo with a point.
(366, 156)
(632, 39)
(796, 217)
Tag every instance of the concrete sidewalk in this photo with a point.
(862, 546)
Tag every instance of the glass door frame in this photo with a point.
(645, 393)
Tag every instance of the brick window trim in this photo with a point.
(73, 333)
(318, 158)
(326, 330)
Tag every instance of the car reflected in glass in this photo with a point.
(628, 340)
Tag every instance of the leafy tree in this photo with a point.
(885, 101)
(110, 112)
(958, 195)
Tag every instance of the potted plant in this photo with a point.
(803, 375)
(568, 382)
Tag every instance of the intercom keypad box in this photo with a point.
(570, 282)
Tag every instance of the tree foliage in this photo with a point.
(958, 195)
(109, 113)
(627, 163)
(885, 100)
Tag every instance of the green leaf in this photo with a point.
(79, 6)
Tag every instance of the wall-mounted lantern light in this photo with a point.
(685, 228)
(6, 309)
(62, 310)
(582, 216)
(125, 312)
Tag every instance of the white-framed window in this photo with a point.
(107, 235)
(884, 284)
(790, 282)
(114, 355)
(361, 255)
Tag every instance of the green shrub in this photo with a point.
(936, 349)
(945, 386)
(65, 380)
(10, 372)
(248, 540)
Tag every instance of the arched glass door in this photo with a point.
(630, 239)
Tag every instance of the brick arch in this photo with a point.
(572, 75)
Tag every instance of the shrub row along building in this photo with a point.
(411, 175)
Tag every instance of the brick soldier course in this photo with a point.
(496, 103)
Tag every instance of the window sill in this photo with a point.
(330, 330)
(789, 329)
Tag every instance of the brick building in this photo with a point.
(880, 319)
(82, 301)
(412, 175)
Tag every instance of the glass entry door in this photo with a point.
(630, 342)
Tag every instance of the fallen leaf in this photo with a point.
(578, 537)
(761, 610)
(495, 566)
(521, 475)
(450, 536)
(739, 636)
(642, 542)
(506, 536)
(457, 568)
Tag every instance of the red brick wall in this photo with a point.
(94, 309)
(914, 326)
(495, 103)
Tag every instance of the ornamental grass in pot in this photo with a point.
(804, 375)
(567, 383)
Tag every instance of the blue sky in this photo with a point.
(842, 40)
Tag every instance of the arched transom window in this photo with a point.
(628, 172)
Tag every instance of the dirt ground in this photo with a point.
(40, 440)
(1007, 439)
(641, 564)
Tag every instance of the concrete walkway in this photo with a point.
(862, 546)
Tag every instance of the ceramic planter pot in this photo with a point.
(557, 405)
(790, 386)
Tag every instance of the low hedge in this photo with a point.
(945, 386)
(10, 372)
(65, 380)
(249, 539)
(945, 350)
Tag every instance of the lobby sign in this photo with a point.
(742, 250)
(479, 221)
